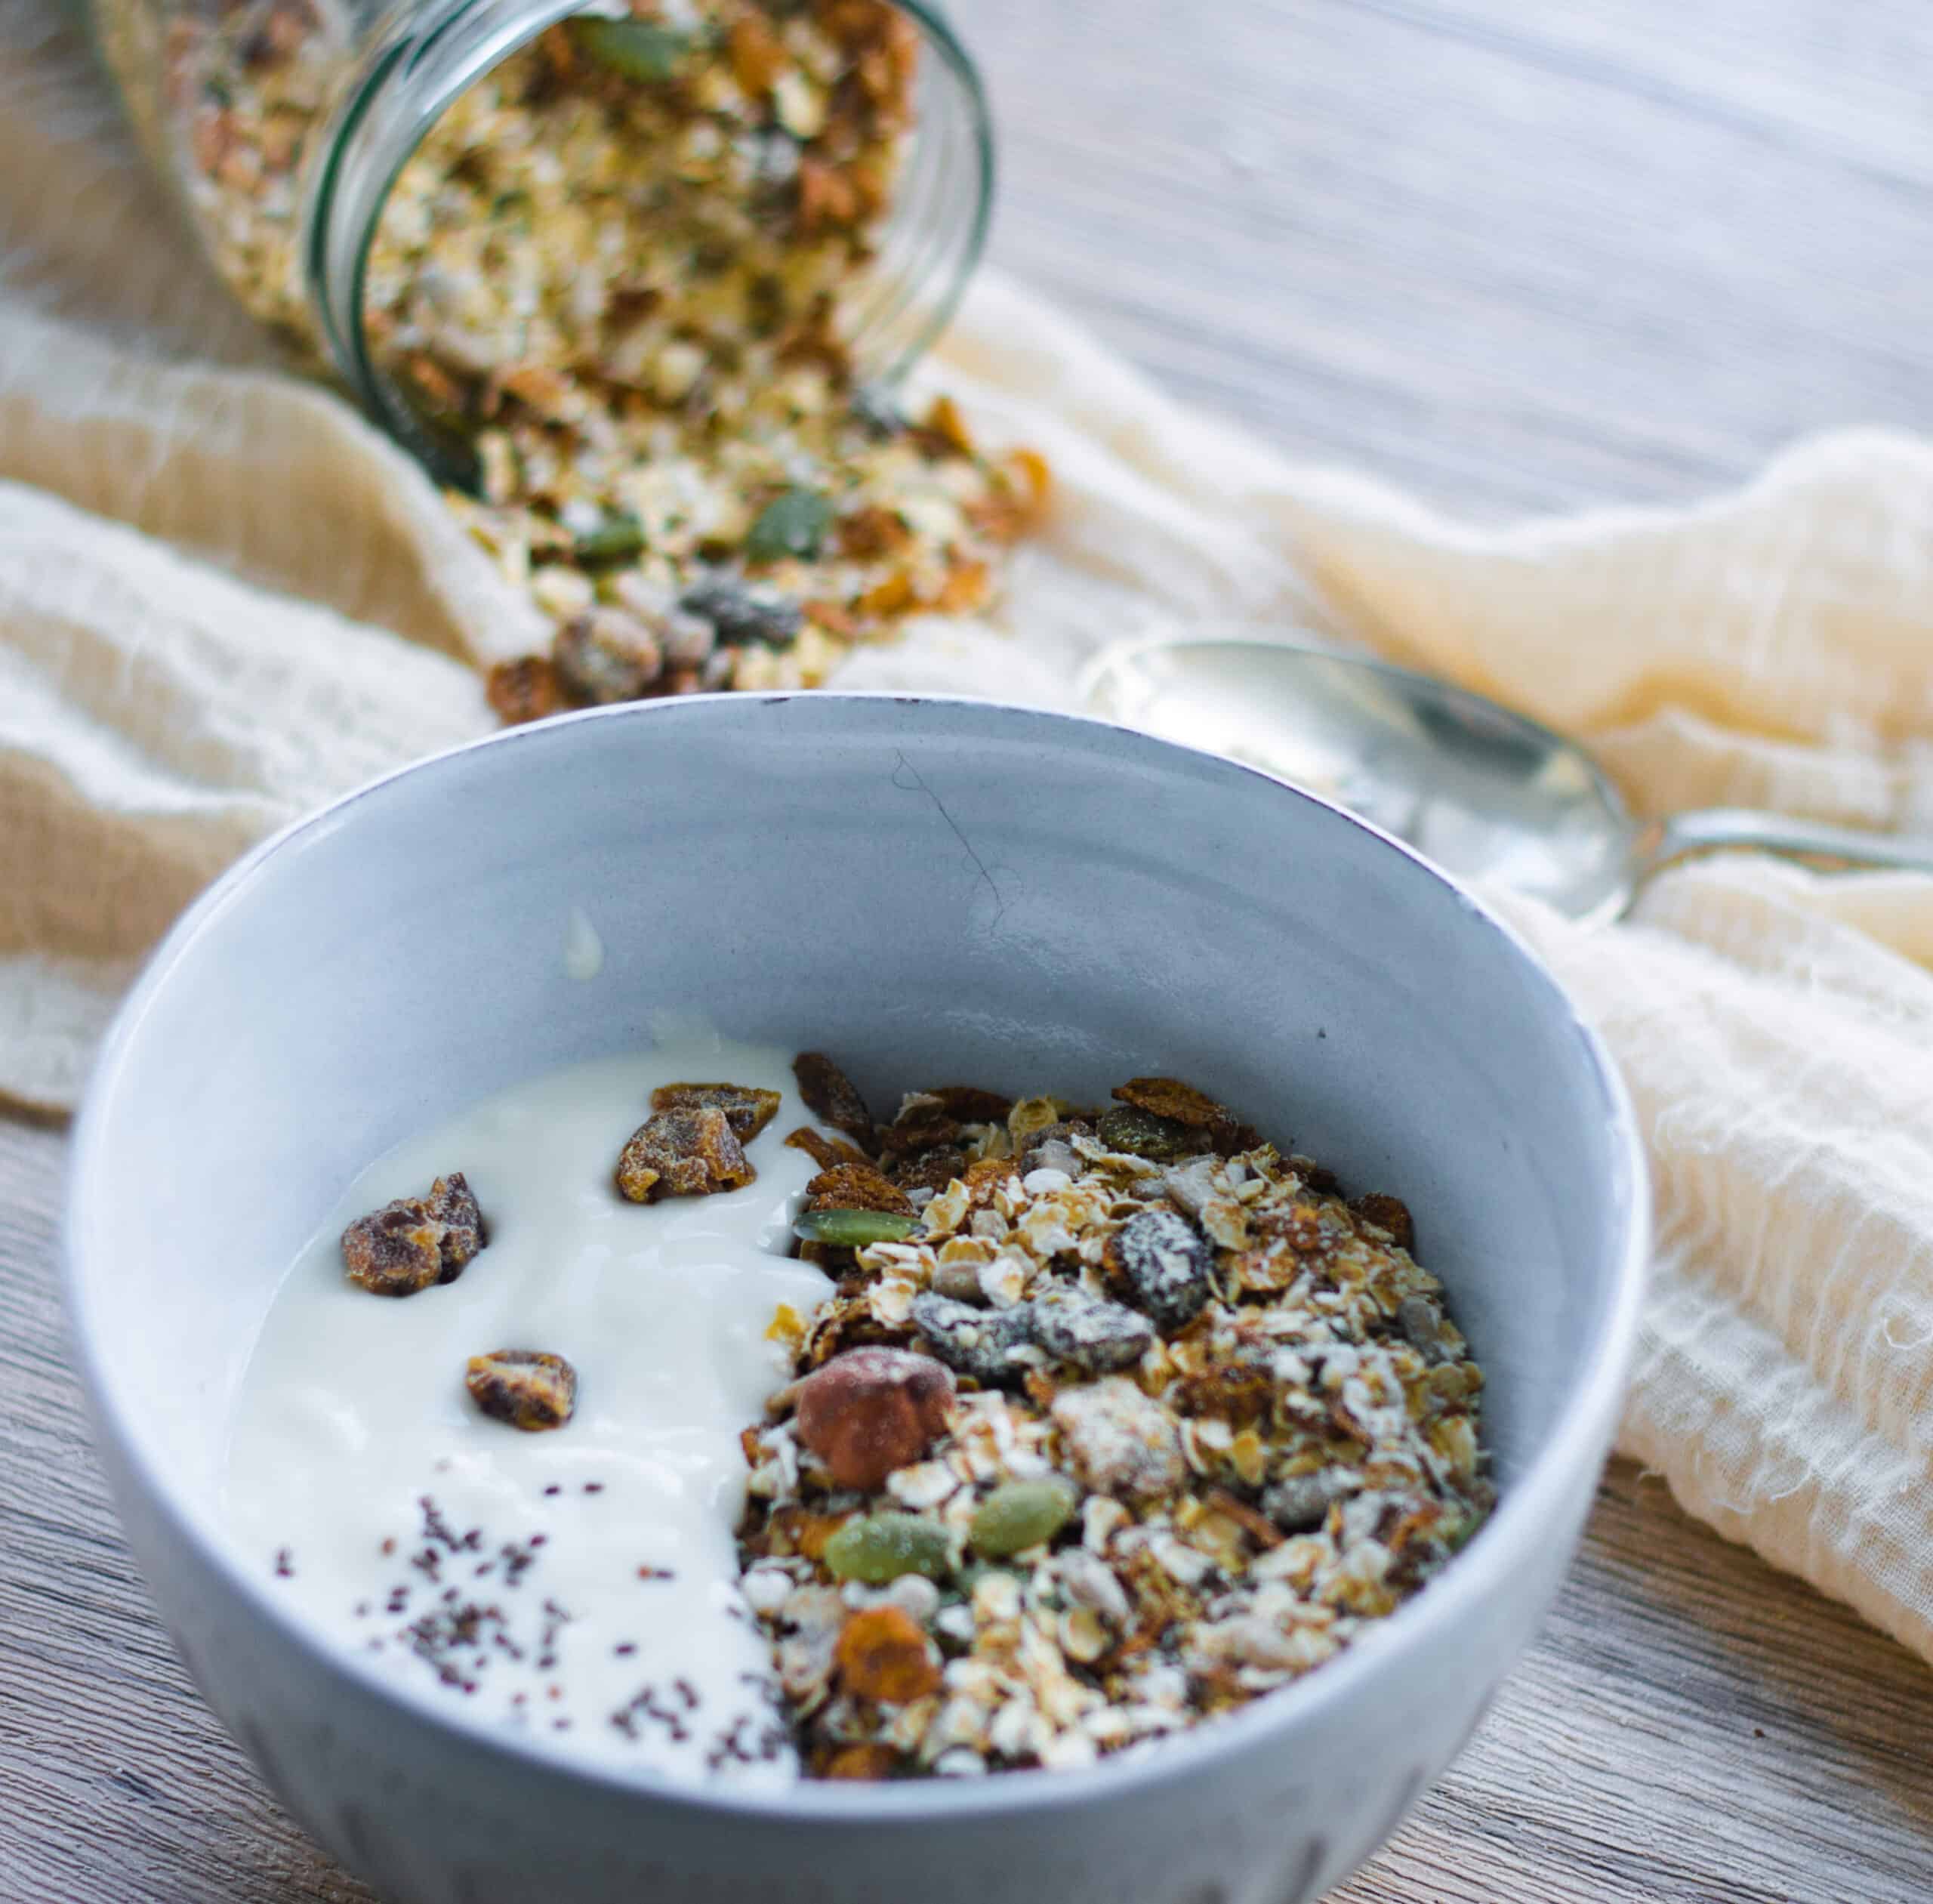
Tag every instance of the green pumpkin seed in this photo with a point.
(1020, 1514)
(853, 1229)
(639, 49)
(793, 524)
(616, 538)
(880, 1547)
(1141, 1133)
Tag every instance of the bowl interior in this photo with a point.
(927, 889)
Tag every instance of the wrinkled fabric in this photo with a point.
(224, 598)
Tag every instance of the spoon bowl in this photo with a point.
(1487, 795)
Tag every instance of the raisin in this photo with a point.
(1164, 1261)
(1389, 1213)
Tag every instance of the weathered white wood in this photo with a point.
(1514, 256)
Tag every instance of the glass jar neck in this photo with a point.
(427, 54)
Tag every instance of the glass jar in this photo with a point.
(283, 126)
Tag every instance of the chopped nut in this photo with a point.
(682, 1153)
(526, 1387)
(882, 1655)
(747, 1110)
(869, 1410)
(1416, 1316)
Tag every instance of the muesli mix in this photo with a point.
(1119, 1419)
(615, 278)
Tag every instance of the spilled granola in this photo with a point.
(618, 278)
(1142, 1422)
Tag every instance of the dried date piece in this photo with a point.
(746, 1110)
(529, 1388)
(930, 1170)
(415, 1241)
(682, 1153)
(832, 1097)
(1389, 1213)
(1163, 1261)
(968, 1104)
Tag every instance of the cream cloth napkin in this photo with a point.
(223, 600)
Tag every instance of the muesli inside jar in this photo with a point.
(618, 277)
(1119, 1419)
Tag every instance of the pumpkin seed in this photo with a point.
(616, 538)
(638, 49)
(1020, 1514)
(853, 1229)
(1141, 1133)
(880, 1547)
(793, 524)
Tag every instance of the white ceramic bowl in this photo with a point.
(923, 887)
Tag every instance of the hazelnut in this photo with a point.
(870, 1411)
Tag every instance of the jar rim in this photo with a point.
(422, 61)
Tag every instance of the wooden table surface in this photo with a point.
(1518, 257)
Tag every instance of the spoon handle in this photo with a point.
(1685, 836)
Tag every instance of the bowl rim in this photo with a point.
(1581, 1436)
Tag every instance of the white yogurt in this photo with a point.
(353, 1409)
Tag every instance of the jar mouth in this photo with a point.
(424, 60)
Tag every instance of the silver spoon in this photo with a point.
(1486, 794)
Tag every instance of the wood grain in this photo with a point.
(1516, 258)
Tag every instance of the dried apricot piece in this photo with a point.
(883, 1654)
(870, 1759)
(529, 1388)
(832, 1097)
(747, 1109)
(529, 689)
(682, 1153)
